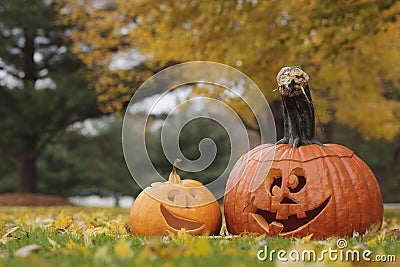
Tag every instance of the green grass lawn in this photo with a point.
(76, 236)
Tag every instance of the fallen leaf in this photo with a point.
(307, 238)
(63, 220)
(25, 251)
(9, 232)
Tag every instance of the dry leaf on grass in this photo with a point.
(25, 251)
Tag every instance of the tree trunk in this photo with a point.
(117, 197)
(391, 168)
(356, 142)
(327, 132)
(29, 62)
(27, 171)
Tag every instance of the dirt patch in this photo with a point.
(27, 199)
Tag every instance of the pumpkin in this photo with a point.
(170, 206)
(298, 186)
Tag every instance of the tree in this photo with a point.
(339, 43)
(41, 90)
(349, 48)
(189, 139)
(80, 162)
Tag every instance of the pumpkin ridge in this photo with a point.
(252, 187)
(363, 178)
(344, 180)
(357, 190)
(367, 183)
(378, 199)
(334, 196)
(210, 211)
(337, 150)
(228, 197)
(303, 161)
(241, 166)
(376, 188)
(306, 198)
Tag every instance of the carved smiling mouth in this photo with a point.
(177, 222)
(269, 222)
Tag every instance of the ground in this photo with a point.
(28, 199)
(85, 236)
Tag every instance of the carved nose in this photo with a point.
(287, 200)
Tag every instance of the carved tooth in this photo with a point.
(301, 215)
(275, 228)
(281, 216)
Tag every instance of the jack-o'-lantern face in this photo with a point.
(299, 186)
(285, 191)
(286, 210)
(170, 206)
(176, 197)
(183, 206)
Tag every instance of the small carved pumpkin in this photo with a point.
(298, 186)
(170, 206)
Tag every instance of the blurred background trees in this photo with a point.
(41, 90)
(351, 50)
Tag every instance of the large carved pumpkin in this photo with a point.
(298, 186)
(170, 206)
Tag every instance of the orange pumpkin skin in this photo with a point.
(298, 186)
(338, 184)
(165, 207)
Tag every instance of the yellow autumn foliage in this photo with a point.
(351, 49)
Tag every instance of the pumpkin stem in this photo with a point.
(298, 108)
(174, 178)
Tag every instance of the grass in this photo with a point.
(76, 236)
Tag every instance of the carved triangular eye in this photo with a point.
(195, 193)
(172, 195)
